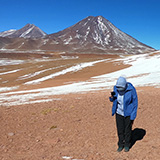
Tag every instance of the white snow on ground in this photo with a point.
(70, 158)
(69, 57)
(7, 33)
(27, 32)
(13, 71)
(27, 76)
(4, 89)
(68, 40)
(19, 102)
(66, 157)
(144, 71)
(70, 69)
(5, 62)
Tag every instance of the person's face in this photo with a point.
(120, 89)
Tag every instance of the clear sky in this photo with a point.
(138, 18)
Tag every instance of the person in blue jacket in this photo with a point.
(125, 104)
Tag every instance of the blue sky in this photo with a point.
(138, 18)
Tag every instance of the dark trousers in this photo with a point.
(124, 130)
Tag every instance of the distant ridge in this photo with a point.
(90, 35)
(28, 31)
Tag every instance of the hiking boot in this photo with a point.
(126, 149)
(119, 149)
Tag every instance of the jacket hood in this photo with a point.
(121, 82)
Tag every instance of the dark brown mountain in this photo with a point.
(97, 34)
(91, 35)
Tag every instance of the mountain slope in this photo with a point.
(90, 35)
(97, 33)
(28, 31)
(7, 33)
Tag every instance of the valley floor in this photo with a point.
(57, 107)
(79, 126)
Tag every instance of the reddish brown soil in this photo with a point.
(78, 126)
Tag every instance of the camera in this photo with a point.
(113, 93)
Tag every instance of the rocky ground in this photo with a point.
(78, 127)
(72, 126)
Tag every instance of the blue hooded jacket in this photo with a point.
(130, 101)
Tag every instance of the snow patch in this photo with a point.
(4, 89)
(6, 62)
(27, 32)
(66, 157)
(101, 25)
(144, 71)
(69, 57)
(68, 40)
(88, 30)
(70, 69)
(3, 73)
(22, 102)
(43, 33)
(21, 45)
(7, 33)
(70, 158)
(37, 73)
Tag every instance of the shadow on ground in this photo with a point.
(137, 135)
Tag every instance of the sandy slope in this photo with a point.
(78, 126)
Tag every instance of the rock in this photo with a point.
(38, 139)
(11, 134)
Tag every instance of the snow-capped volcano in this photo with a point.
(97, 33)
(91, 35)
(28, 31)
